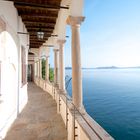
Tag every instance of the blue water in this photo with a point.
(112, 98)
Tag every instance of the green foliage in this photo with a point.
(51, 74)
(43, 68)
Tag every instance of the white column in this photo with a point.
(61, 65)
(40, 68)
(47, 68)
(56, 80)
(76, 61)
(32, 72)
(35, 69)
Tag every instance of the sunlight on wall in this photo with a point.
(9, 59)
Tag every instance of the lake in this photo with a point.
(112, 98)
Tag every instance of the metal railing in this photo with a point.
(67, 81)
(70, 107)
(75, 112)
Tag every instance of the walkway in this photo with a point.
(39, 120)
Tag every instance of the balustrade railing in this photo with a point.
(78, 123)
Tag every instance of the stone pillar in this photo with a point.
(61, 65)
(40, 68)
(47, 69)
(77, 98)
(32, 72)
(56, 80)
(36, 71)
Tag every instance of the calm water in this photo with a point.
(112, 98)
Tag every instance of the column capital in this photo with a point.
(75, 20)
(47, 56)
(55, 50)
(61, 41)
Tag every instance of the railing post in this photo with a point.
(54, 93)
(59, 102)
(67, 112)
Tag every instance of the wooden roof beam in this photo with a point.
(35, 38)
(29, 18)
(39, 22)
(33, 46)
(35, 35)
(38, 27)
(37, 5)
(47, 30)
(33, 13)
(24, 16)
(37, 41)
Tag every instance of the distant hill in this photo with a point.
(114, 67)
(68, 68)
(110, 67)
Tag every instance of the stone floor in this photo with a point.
(39, 119)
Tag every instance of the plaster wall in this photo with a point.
(13, 94)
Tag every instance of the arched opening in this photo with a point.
(8, 77)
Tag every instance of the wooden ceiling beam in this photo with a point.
(35, 38)
(34, 7)
(35, 13)
(49, 20)
(32, 15)
(38, 14)
(38, 27)
(35, 35)
(36, 45)
(39, 22)
(37, 41)
(37, 5)
(43, 29)
(33, 46)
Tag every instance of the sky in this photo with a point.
(110, 34)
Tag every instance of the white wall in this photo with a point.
(14, 96)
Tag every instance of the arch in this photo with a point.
(8, 75)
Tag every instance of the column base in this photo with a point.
(80, 110)
(61, 91)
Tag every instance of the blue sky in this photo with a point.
(110, 34)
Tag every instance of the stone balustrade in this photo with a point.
(79, 125)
